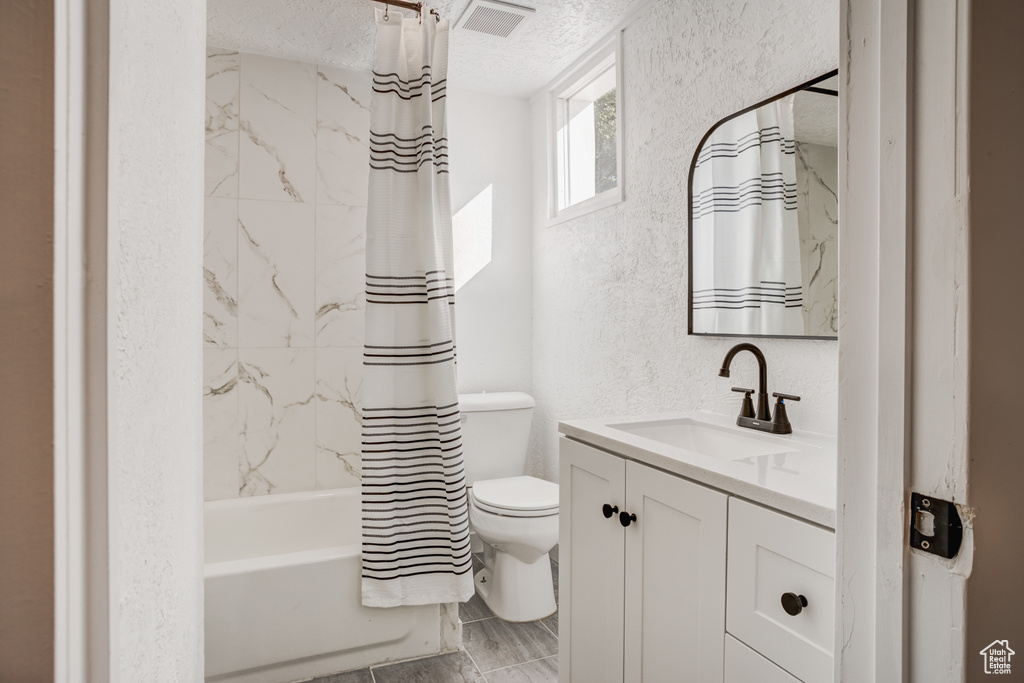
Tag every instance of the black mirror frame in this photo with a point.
(689, 214)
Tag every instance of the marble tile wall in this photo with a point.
(286, 177)
(817, 180)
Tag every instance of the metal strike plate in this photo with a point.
(935, 526)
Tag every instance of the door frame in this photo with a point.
(876, 39)
(83, 637)
(102, 327)
(875, 341)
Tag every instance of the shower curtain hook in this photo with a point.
(386, 8)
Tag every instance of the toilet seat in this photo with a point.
(516, 497)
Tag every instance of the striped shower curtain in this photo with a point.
(746, 237)
(415, 514)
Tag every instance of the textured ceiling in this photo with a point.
(340, 33)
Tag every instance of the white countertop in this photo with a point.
(800, 481)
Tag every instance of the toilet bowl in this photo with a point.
(516, 518)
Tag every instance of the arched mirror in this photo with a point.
(764, 219)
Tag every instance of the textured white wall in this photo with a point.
(155, 366)
(610, 287)
(489, 147)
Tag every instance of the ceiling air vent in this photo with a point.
(493, 17)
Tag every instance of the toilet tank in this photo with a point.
(495, 434)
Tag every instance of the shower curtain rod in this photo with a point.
(414, 6)
(822, 91)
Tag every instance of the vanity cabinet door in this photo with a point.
(675, 579)
(590, 565)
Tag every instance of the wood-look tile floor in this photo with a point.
(496, 651)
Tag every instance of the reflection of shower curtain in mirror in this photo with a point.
(415, 514)
(746, 240)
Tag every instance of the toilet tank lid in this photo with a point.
(497, 400)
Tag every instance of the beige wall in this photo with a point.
(26, 341)
(995, 592)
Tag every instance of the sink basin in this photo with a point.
(707, 439)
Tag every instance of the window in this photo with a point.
(586, 117)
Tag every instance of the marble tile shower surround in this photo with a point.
(817, 178)
(286, 182)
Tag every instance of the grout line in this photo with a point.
(286, 201)
(373, 679)
(316, 136)
(407, 660)
(286, 348)
(548, 628)
(241, 443)
(475, 665)
(482, 619)
(528, 661)
(313, 275)
(238, 137)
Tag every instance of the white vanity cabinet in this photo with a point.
(645, 601)
(692, 590)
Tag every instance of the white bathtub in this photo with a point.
(283, 596)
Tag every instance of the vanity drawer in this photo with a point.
(743, 665)
(770, 555)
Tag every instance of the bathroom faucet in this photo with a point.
(763, 419)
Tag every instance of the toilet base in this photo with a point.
(515, 590)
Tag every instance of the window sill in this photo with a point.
(601, 201)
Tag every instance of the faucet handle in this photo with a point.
(780, 421)
(747, 409)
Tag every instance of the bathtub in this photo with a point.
(282, 583)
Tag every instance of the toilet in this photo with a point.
(514, 516)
